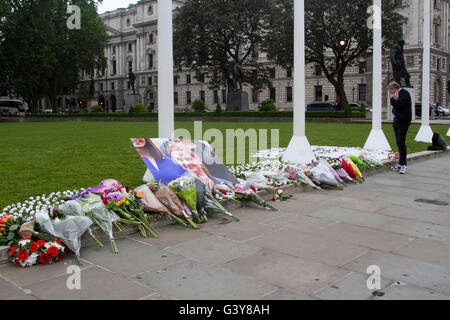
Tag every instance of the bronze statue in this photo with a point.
(398, 64)
(132, 79)
(238, 76)
(92, 88)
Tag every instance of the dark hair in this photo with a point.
(153, 150)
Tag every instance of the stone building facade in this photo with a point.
(133, 44)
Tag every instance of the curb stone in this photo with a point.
(230, 206)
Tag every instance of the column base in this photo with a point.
(299, 151)
(425, 134)
(377, 141)
(448, 133)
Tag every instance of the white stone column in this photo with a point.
(377, 140)
(299, 149)
(165, 70)
(425, 133)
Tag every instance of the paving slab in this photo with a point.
(428, 216)
(258, 214)
(308, 246)
(364, 237)
(26, 276)
(242, 231)
(134, 257)
(353, 217)
(352, 287)
(349, 202)
(296, 274)
(407, 292)
(398, 268)
(213, 250)
(285, 294)
(170, 236)
(9, 290)
(191, 280)
(427, 250)
(300, 223)
(96, 284)
(419, 229)
(158, 296)
(403, 183)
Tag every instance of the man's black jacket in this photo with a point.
(402, 108)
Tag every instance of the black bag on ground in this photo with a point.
(438, 143)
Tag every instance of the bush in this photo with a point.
(363, 108)
(267, 105)
(198, 106)
(96, 109)
(219, 108)
(138, 108)
(348, 111)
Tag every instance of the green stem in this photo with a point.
(194, 226)
(114, 247)
(97, 241)
(79, 260)
(174, 217)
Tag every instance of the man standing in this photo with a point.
(402, 110)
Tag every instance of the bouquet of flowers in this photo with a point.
(70, 230)
(152, 204)
(349, 169)
(27, 253)
(357, 161)
(170, 199)
(251, 195)
(322, 173)
(9, 229)
(223, 192)
(280, 196)
(298, 175)
(213, 205)
(356, 169)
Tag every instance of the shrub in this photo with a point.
(198, 106)
(236, 108)
(267, 105)
(138, 108)
(363, 108)
(219, 108)
(348, 111)
(96, 109)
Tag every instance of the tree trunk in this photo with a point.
(340, 92)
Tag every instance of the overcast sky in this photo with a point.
(110, 5)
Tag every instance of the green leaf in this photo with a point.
(10, 236)
(14, 227)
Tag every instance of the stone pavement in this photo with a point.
(318, 246)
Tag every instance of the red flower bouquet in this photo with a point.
(27, 253)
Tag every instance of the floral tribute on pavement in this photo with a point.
(184, 184)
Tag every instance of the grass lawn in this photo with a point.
(38, 158)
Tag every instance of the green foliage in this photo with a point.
(327, 23)
(208, 35)
(44, 57)
(363, 108)
(267, 105)
(138, 108)
(198, 105)
(348, 110)
(219, 108)
(96, 109)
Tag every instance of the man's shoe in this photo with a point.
(403, 170)
(396, 168)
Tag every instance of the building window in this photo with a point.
(188, 97)
(362, 92)
(101, 86)
(188, 78)
(272, 73)
(410, 61)
(114, 67)
(112, 86)
(114, 49)
(150, 61)
(150, 81)
(130, 47)
(202, 95)
(128, 22)
(151, 39)
(318, 70)
(201, 78)
(216, 96)
(255, 96)
(150, 10)
(273, 94)
(224, 96)
(130, 65)
(318, 93)
(175, 80)
(362, 67)
(175, 98)
(289, 94)
(289, 72)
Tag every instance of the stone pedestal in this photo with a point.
(131, 100)
(412, 93)
(238, 99)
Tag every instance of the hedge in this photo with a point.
(229, 114)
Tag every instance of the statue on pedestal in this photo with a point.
(399, 65)
(132, 79)
(238, 76)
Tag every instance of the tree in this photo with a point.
(337, 35)
(213, 36)
(41, 55)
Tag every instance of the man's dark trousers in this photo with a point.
(401, 130)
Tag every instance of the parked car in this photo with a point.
(321, 106)
(357, 107)
(48, 111)
(419, 109)
(441, 111)
(10, 107)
